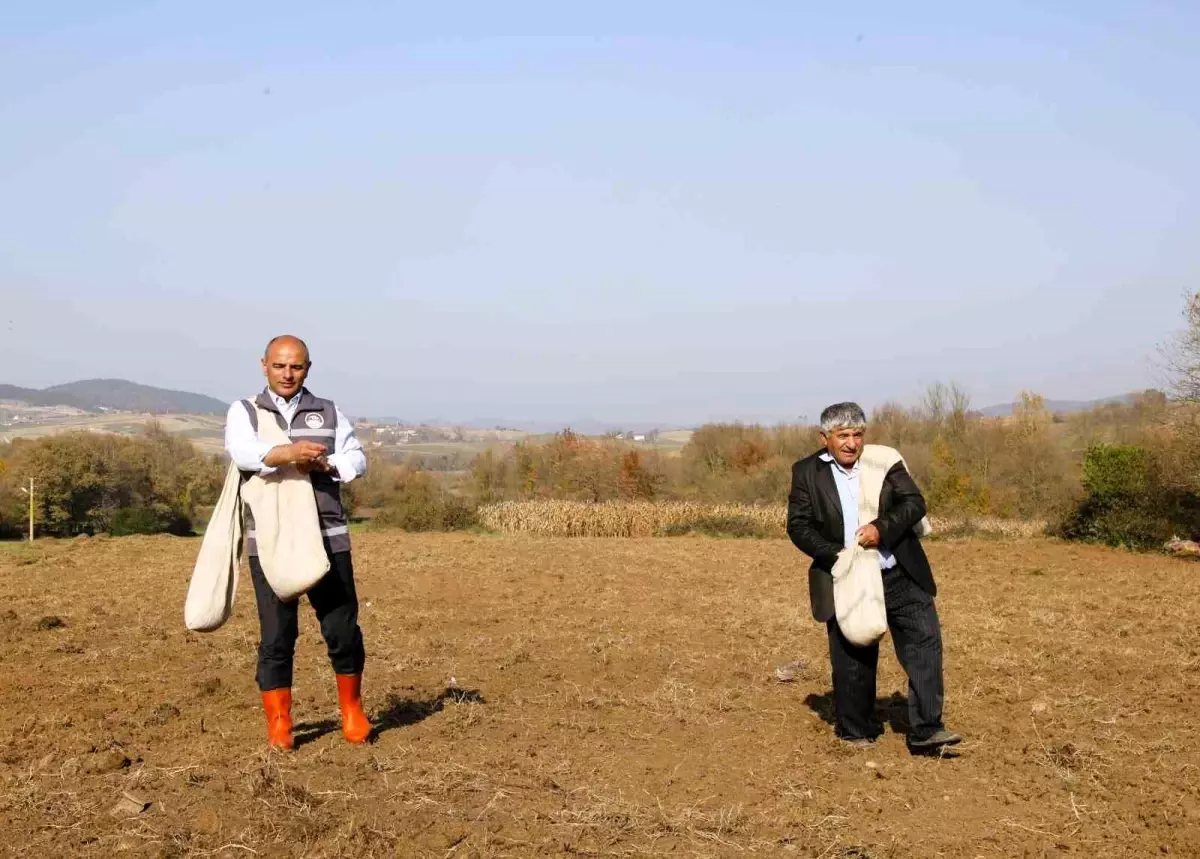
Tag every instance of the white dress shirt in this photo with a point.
(247, 451)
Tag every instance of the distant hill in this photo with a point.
(1058, 407)
(96, 395)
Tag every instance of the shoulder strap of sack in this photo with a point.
(252, 412)
(268, 427)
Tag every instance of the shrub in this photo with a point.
(571, 467)
(1126, 502)
(1117, 472)
(147, 520)
(420, 503)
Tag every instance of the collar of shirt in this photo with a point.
(828, 457)
(287, 404)
(287, 408)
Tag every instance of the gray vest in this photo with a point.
(315, 420)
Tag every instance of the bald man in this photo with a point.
(322, 446)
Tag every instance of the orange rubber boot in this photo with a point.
(355, 727)
(278, 705)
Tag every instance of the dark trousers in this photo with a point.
(913, 622)
(336, 604)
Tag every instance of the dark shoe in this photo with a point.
(858, 742)
(935, 741)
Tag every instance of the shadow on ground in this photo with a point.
(398, 711)
(403, 710)
(891, 711)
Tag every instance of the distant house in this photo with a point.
(639, 438)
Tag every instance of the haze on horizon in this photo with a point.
(646, 213)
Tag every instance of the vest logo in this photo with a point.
(314, 420)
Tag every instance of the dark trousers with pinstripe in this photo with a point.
(336, 605)
(916, 632)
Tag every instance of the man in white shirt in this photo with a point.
(323, 446)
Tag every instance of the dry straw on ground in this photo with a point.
(554, 518)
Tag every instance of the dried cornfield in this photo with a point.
(555, 518)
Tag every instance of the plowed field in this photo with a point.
(600, 698)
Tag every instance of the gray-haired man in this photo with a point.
(822, 520)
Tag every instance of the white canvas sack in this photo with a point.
(858, 597)
(287, 528)
(213, 586)
(874, 464)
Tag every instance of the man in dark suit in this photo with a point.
(822, 519)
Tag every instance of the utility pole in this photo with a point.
(29, 492)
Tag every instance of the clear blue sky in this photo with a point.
(663, 212)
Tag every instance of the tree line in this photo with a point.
(1122, 473)
(89, 483)
(1080, 473)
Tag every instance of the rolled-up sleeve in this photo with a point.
(348, 457)
(242, 442)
